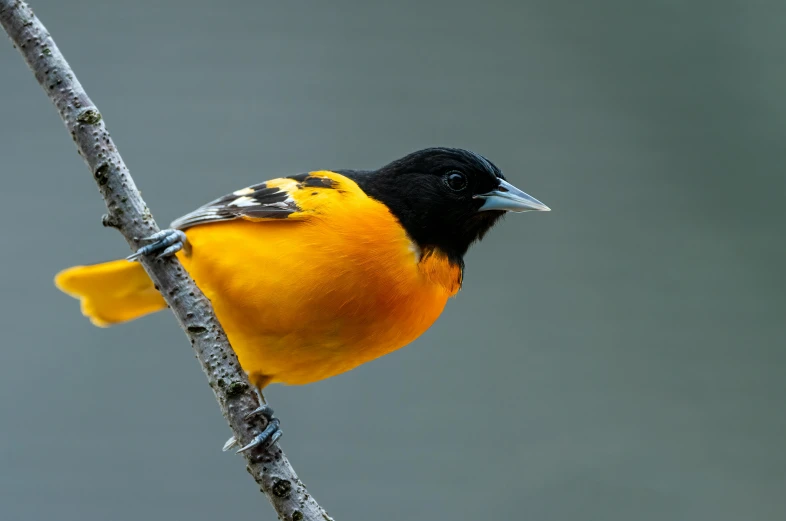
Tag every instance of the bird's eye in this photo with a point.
(456, 180)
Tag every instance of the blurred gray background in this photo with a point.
(621, 358)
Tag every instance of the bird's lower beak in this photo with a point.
(508, 198)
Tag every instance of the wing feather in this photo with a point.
(257, 202)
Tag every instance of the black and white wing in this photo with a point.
(269, 200)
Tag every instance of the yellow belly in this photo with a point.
(303, 301)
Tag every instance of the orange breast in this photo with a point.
(312, 297)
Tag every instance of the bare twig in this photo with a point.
(128, 213)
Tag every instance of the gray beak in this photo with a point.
(508, 198)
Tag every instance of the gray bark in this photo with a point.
(127, 212)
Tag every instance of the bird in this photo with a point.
(314, 274)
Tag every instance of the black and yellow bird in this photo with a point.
(314, 274)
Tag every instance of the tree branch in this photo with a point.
(128, 213)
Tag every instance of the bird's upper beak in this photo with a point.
(508, 198)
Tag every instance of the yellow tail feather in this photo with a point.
(111, 292)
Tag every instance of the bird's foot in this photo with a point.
(269, 435)
(231, 442)
(162, 244)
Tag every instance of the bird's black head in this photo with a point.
(446, 198)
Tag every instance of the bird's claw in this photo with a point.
(266, 438)
(163, 244)
(263, 410)
(231, 442)
(269, 435)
